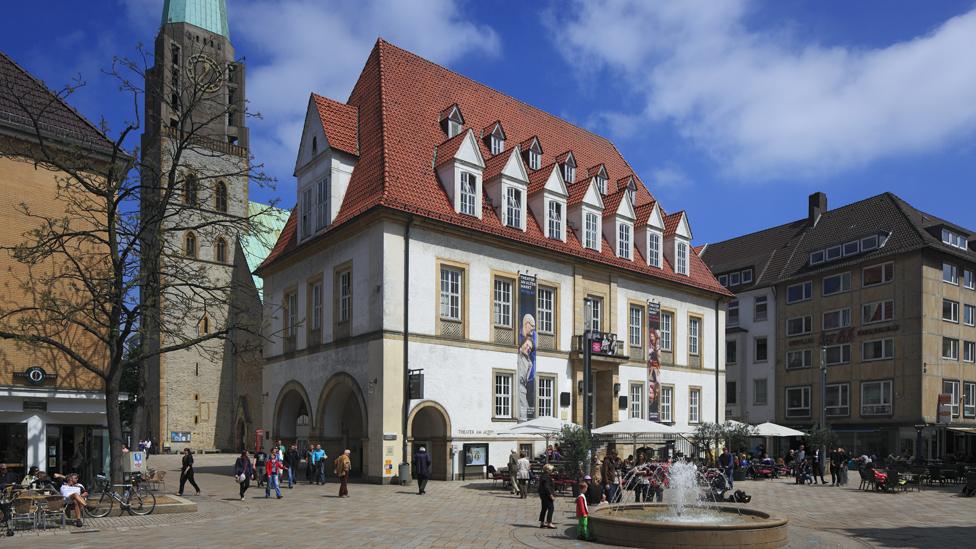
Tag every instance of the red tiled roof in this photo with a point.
(594, 170)
(495, 164)
(671, 222)
(623, 182)
(449, 148)
(577, 191)
(528, 143)
(491, 127)
(562, 158)
(340, 123)
(399, 97)
(611, 202)
(643, 212)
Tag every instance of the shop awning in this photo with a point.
(970, 430)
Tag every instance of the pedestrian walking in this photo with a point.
(319, 457)
(523, 468)
(547, 497)
(260, 462)
(818, 466)
(292, 460)
(727, 465)
(272, 468)
(421, 467)
(342, 466)
(243, 472)
(799, 460)
(582, 514)
(310, 464)
(512, 469)
(843, 466)
(186, 472)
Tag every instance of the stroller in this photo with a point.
(804, 473)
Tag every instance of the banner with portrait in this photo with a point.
(653, 361)
(526, 347)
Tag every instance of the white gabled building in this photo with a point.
(421, 201)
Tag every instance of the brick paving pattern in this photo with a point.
(474, 514)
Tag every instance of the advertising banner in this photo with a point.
(653, 361)
(526, 347)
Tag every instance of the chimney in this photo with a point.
(818, 206)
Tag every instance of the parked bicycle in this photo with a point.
(132, 497)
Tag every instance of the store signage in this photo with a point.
(415, 383)
(603, 343)
(35, 375)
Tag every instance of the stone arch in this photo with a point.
(342, 421)
(429, 424)
(292, 403)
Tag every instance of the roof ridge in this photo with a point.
(379, 68)
(61, 100)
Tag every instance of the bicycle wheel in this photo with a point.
(101, 507)
(141, 502)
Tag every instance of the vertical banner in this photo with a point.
(526, 347)
(653, 361)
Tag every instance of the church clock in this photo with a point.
(204, 73)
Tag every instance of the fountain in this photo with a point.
(687, 519)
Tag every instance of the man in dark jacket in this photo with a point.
(292, 461)
(421, 467)
(547, 497)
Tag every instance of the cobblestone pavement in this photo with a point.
(475, 514)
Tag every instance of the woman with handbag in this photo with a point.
(243, 471)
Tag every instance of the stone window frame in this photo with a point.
(465, 269)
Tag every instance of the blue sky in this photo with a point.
(734, 110)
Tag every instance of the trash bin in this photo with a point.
(404, 474)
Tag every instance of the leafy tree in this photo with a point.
(705, 435)
(736, 435)
(575, 445)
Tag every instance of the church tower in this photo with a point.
(196, 86)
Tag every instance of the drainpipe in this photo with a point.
(718, 303)
(406, 333)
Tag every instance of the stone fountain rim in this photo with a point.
(767, 520)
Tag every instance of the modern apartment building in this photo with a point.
(885, 296)
(446, 229)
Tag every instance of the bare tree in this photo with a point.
(124, 260)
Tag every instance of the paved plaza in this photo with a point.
(475, 514)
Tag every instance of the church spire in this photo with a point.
(206, 14)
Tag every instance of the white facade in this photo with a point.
(749, 371)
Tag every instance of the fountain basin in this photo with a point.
(647, 525)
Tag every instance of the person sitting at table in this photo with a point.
(6, 477)
(75, 493)
(42, 482)
(30, 477)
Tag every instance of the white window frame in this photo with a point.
(887, 274)
(554, 219)
(844, 319)
(535, 159)
(682, 255)
(806, 325)
(756, 393)
(345, 296)
(885, 406)
(591, 230)
(732, 352)
(654, 248)
(601, 184)
(806, 291)
(545, 309)
(596, 321)
(755, 349)
(513, 207)
(694, 405)
(635, 326)
(760, 300)
(453, 128)
(954, 239)
(953, 311)
(969, 314)
(952, 348)
(747, 279)
(636, 400)
(452, 288)
(877, 305)
(503, 390)
(723, 280)
(805, 356)
(317, 306)
(955, 388)
(322, 203)
(306, 212)
(468, 194)
(730, 318)
(546, 397)
(969, 279)
(969, 399)
(735, 279)
(497, 144)
(844, 350)
(953, 272)
(667, 404)
(845, 283)
(291, 318)
(969, 351)
(887, 349)
(694, 335)
(569, 173)
(624, 244)
(805, 405)
(502, 302)
(843, 406)
(667, 331)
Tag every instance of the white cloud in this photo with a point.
(295, 47)
(308, 46)
(669, 176)
(766, 107)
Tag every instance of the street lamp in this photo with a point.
(823, 402)
(587, 402)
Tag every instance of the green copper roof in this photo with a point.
(267, 224)
(206, 14)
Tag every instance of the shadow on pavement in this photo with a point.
(917, 536)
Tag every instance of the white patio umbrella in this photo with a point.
(546, 427)
(769, 429)
(636, 427)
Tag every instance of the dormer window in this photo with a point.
(568, 162)
(451, 121)
(496, 139)
(601, 183)
(954, 239)
(681, 255)
(590, 230)
(315, 144)
(533, 153)
(623, 240)
(555, 220)
(513, 207)
(535, 159)
(468, 186)
(654, 249)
